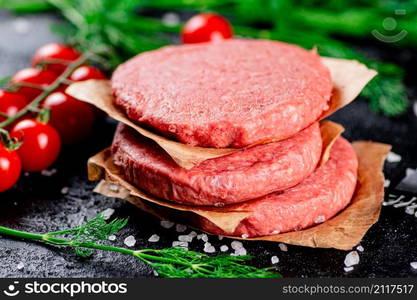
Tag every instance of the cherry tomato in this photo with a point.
(206, 27)
(55, 51)
(41, 78)
(41, 144)
(11, 103)
(72, 118)
(10, 168)
(86, 72)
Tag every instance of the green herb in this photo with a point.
(120, 28)
(169, 262)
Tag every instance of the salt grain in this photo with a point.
(393, 157)
(64, 190)
(130, 241)
(320, 219)
(180, 244)
(180, 228)
(387, 182)
(154, 238)
(409, 210)
(202, 237)
(351, 259)
(167, 224)
(348, 269)
(112, 237)
(220, 237)
(107, 213)
(20, 266)
(208, 248)
(414, 265)
(283, 247)
(185, 238)
(236, 245)
(360, 248)
(224, 248)
(274, 260)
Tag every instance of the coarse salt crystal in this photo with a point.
(20, 266)
(154, 238)
(393, 157)
(415, 108)
(387, 182)
(208, 248)
(414, 265)
(236, 245)
(220, 237)
(283, 247)
(348, 269)
(239, 252)
(203, 237)
(185, 238)
(193, 234)
(274, 259)
(360, 248)
(114, 188)
(112, 237)
(352, 258)
(180, 228)
(224, 248)
(409, 210)
(107, 213)
(167, 224)
(130, 241)
(64, 190)
(180, 244)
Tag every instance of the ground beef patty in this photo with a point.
(237, 177)
(319, 197)
(227, 94)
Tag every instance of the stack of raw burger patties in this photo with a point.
(235, 94)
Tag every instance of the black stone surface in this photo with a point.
(38, 205)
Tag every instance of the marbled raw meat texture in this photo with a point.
(319, 197)
(244, 175)
(231, 93)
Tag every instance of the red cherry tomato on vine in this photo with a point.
(206, 27)
(41, 144)
(72, 118)
(55, 51)
(86, 72)
(41, 78)
(10, 168)
(11, 103)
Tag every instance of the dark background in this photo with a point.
(36, 203)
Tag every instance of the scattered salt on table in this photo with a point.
(348, 269)
(393, 157)
(154, 238)
(352, 258)
(170, 19)
(387, 182)
(274, 260)
(48, 173)
(185, 238)
(414, 265)
(130, 241)
(107, 213)
(283, 247)
(180, 228)
(180, 244)
(167, 224)
(64, 190)
(203, 237)
(224, 248)
(220, 237)
(360, 248)
(112, 237)
(209, 248)
(238, 247)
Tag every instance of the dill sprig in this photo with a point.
(173, 262)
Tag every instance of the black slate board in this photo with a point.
(38, 205)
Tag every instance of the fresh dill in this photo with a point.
(173, 262)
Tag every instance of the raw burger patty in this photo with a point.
(319, 197)
(227, 94)
(237, 177)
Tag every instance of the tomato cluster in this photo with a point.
(70, 120)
